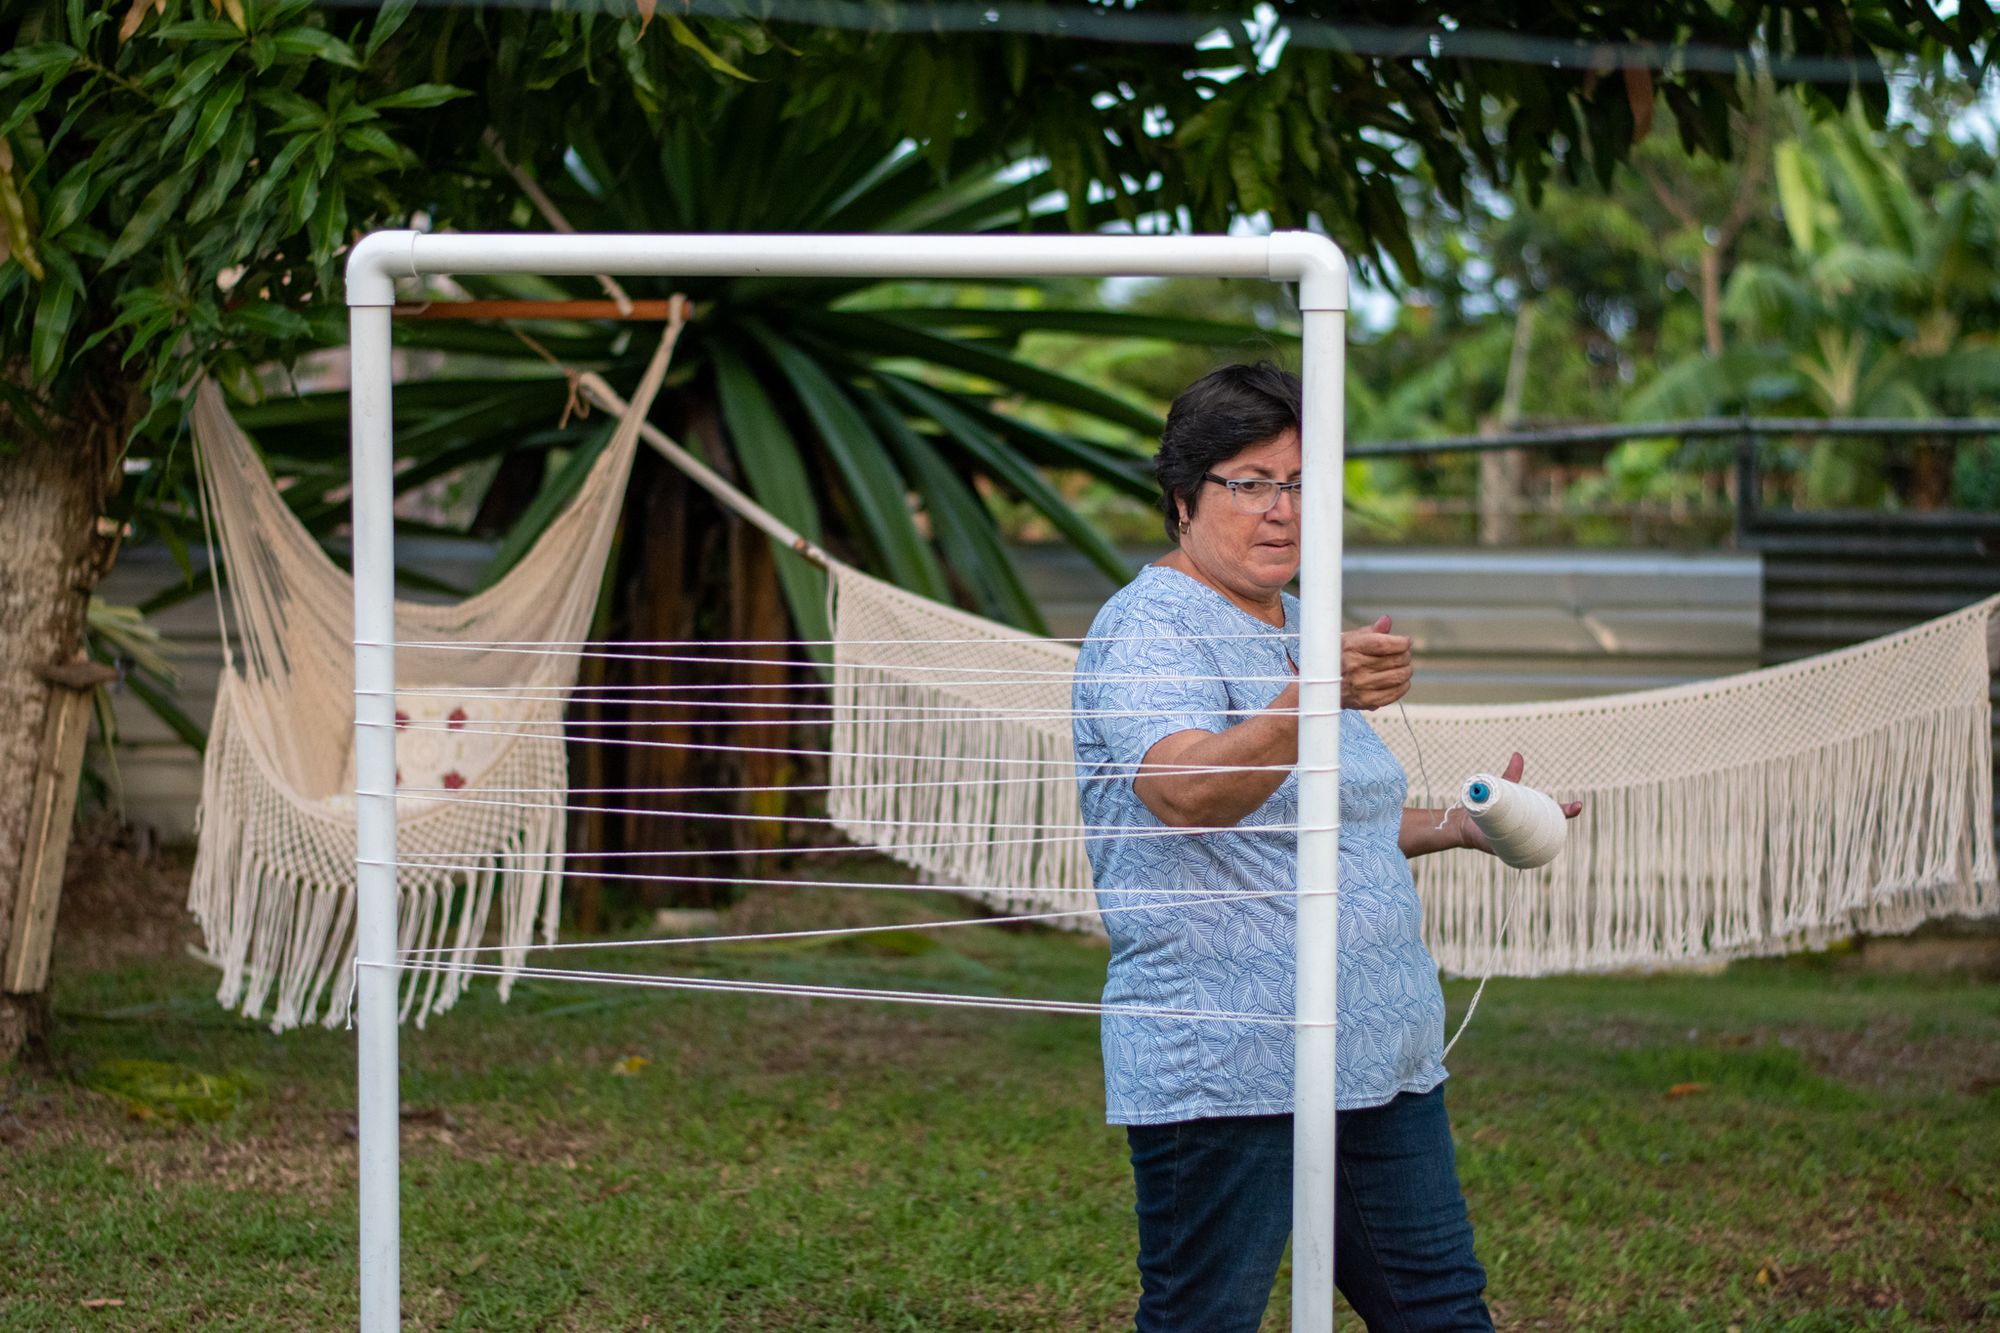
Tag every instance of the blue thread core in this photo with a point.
(1477, 791)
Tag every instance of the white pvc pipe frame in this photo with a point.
(1312, 262)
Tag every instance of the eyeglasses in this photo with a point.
(1256, 495)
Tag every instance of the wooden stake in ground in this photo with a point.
(51, 807)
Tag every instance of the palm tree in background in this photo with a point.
(1880, 309)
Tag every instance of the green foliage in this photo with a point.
(1883, 305)
(182, 184)
(1332, 115)
(132, 150)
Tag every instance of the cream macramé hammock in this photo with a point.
(273, 885)
(1756, 814)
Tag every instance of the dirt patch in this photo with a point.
(124, 899)
(1886, 1055)
(282, 1147)
(1969, 952)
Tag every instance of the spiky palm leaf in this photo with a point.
(872, 428)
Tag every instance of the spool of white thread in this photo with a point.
(1525, 826)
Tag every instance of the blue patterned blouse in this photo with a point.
(1182, 656)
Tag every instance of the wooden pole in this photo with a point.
(50, 809)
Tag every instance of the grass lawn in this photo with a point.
(1789, 1145)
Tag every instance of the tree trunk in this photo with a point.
(1503, 473)
(1711, 299)
(52, 491)
(1930, 475)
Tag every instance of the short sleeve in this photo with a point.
(1145, 677)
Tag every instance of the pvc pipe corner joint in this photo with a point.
(1315, 264)
(374, 264)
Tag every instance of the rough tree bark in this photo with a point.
(53, 488)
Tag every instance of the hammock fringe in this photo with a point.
(273, 884)
(1877, 832)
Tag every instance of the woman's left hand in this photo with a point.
(1374, 666)
(1475, 837)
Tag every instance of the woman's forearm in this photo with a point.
(1253, 758)
(1420, 834)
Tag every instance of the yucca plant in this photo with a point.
(874, 418)
(878, 419)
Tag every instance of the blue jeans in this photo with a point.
(1215, 1211)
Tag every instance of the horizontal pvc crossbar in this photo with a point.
(1313, 262)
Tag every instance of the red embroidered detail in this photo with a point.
(453, 781)
(402, 719)
(456, 720)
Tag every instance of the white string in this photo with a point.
(847, 685)
(1084, 832)
(830, 932)
(947, 999)
(1473, 1008)
(1444, 817)
(552, 644)
(1154, 770)
(975, 712)
(922, 712)
(736, 880)
(902, 821)
(807, 753)
(991, 676)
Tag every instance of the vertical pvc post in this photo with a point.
(379, 1148)
(1314, 1090)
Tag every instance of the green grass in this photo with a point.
(790, 1165)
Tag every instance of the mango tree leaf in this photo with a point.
(418, 97)
(687, 37)
(197, 74)
(218, 117)
(225, 169)
(316, 43)
(53, 314)
(197, 30)
(389, 16)
(152, 214)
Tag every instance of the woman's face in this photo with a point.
(1254, 555)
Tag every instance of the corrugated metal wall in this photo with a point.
(1833, 579)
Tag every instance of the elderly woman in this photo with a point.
(1185, 718)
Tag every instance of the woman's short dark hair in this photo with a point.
(1217, 417)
